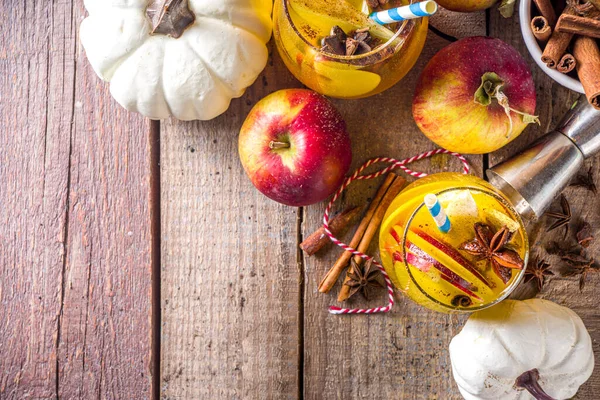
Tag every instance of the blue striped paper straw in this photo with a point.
(415, 10)
(437, 212)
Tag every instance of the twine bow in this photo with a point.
(394, 164)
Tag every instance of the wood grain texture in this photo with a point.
(230, 282)
(402, 354)
(553, 101)
(75, 255)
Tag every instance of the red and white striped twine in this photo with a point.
(356, 176)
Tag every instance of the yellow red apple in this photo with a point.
(294, 147)
(467, 91)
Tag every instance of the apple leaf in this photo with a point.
(490, 83)
(507, 8)
(531, 119)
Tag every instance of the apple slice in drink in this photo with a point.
(427, 262)
(333, 79)
(451, 253)
(324, 14)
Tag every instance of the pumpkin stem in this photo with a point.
(529, 381)
(170, 17)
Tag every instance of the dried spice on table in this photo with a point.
(582, 267)
(338, 225)
(562, 218)
(363, 279)
(366, 229)
(493, 247)
(584, 235)
(538, 270)
(586, 181)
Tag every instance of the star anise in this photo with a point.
(581, 266)
(341, 44)
(560, 249)
(363, 279)
(563, 218)
(492, 247)
(586, 181)
(538, 270)
(335, 43)
(584, 235)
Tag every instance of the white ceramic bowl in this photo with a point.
(536, 52)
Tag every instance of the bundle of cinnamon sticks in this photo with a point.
(364, 234)
(571, 40)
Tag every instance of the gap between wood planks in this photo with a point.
(301, 272)
(155, 218)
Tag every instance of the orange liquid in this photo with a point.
(299, 25)
(410, 233)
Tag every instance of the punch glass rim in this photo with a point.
(507, 290)
(407, 27)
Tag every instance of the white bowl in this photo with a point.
(536, 52)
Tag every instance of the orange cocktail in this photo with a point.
(477, 263)
(381, 55)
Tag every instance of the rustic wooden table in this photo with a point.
(137, 261)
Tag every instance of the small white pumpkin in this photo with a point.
(544, 345)
(192, 71)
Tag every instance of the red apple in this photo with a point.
(466, 92)
(294, 147)
(466, 5)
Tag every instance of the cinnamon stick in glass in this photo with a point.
(334, 273)
(587, 55)
(566, 64)
(557, 45)
(579, 25)
(547, 11)
(540, 28)
(390, 195)
(338, 224)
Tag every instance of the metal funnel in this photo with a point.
(533, 178)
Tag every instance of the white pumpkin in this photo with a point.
(194, 76)
(499, 344)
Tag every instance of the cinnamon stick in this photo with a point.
(557, 45)
(390, 195)
(581, 7)
(333, 274)
(338, 224)
(579, 25)
(540, 28)
(566, 64)
(587, 55)
(547, 10)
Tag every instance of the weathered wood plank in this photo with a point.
(552, 102)
(75, 288)
(33, 175)
(402, 354)
(230, 289)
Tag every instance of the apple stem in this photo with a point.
(278, 145)
(529, 381)
(491, 88)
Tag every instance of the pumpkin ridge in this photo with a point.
(161, 82)
(505, 346)
(216, 78)
(115, 65)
